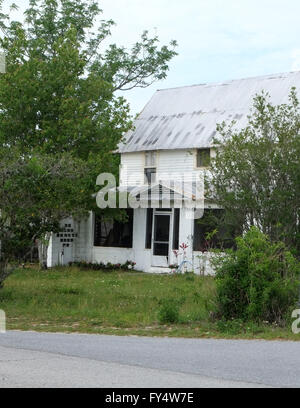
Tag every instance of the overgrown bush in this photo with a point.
(238, 326)
(169, 311)
(259, 281)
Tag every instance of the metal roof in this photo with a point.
(186, 117)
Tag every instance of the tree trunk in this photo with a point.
(43, 245)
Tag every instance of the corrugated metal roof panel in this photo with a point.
(186, 117)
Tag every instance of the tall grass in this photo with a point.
(119, 302)
(108, 299)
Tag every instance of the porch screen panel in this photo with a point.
(111, 233)
(203, 157)
(213, 220)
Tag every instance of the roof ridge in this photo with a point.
(140, 117)
(229, 81)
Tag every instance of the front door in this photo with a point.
(161, 238)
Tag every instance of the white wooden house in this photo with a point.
(172, 136)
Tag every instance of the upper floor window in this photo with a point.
(150, 159)
(203, 157)
(150, 167)
(150, 175)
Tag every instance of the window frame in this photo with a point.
(204, 166)
(218, 242)
(116, 224)
(147, 173)
(153, 160)
(150, 165)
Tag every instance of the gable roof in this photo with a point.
(186, 117)
(162, 190)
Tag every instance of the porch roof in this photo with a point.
(160, 190)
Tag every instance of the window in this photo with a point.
(149, 224)
(150, 175)
(213, 220)
(150, 159)
(203, 157)
(112, 233)
(150, 167)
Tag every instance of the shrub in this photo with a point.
(258, 281)
(169, 311)
(190, 276)
(128, 265)
(231, 327)
(6, 295)
(238, 326)
(66, 290)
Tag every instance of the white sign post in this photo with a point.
(2, 322)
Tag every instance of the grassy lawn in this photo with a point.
(73, 300)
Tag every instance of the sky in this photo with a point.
(218, 39)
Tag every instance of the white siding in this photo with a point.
(175, 163)
(171, 164)
(132, 169)
(112, 255)
(79, 250)
(84, 241)
(202, 263)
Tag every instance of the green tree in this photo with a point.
(61, 114)
(258, 281)
(256, 173)
(36, 193)
(59, 92)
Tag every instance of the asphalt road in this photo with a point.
(29, 359)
